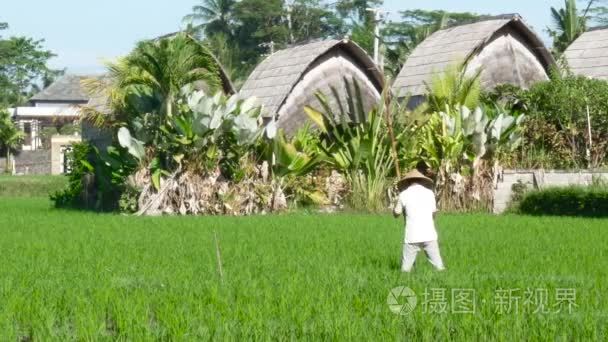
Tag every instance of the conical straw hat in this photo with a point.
(415, 175)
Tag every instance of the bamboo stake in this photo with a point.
(218, 254)
(590, 137)
(391, 133)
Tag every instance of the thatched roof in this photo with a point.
(65, 89)
(273, 80)
(588, 55)
(460, 44)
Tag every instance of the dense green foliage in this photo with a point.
(251, 29)
(73, 275)
(557, 132)
(573, 20)
(569, 24)
(73, 196)
(452, 88)
(243, 32)
(568, 201)
(97, 180)
(22, 67)
(358, 145)
(10, 138)
(30, 186)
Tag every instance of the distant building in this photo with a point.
(588, 55)
(55, 106)
(504, 48)
(289, 79)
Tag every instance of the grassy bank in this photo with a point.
(30, 186)
(69, 275)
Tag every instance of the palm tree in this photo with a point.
(454, 87)
(152, 78)
(165, 67)
(212, 16)
(568, 24)
(10, 137)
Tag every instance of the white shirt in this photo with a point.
(418, 204)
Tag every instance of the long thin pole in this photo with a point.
(218, 254)
(290, 24)
(590, 136)
(391, 132)
(377, 20)
(377, 38)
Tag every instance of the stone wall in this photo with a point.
(538, 179)
(30, 163)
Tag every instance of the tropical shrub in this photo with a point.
(462, 145)
(569, 201)
(298, 166)
(209, 141)
(145, 86)
(358, 145)
(453, 87)
(72, 196)
(191, 153)
(10, 137)
(97, 180)
(556, 135)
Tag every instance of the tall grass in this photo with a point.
(369, 193)
(30, 186)
(84, 276)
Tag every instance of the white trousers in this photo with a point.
(431, 249)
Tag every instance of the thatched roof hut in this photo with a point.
(504, 47)
(588, 55)
(289, 79)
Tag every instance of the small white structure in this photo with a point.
(61, 145)
(31, 120)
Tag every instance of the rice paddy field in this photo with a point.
(84, 276)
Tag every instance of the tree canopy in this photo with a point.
(23, 66)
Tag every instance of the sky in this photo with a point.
(84, 33)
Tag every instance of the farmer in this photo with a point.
(417, 203)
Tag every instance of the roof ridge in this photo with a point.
(597, 28)
(482, 18)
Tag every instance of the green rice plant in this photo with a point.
(30, 186)
(71, 275)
